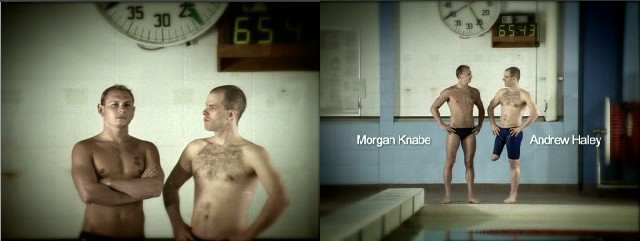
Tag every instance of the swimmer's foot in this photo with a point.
(474, 200)
(446, 200)
(494, 157)
(511, 199)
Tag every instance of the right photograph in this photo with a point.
(479, 120)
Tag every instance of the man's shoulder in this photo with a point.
(86, 143)
(474, 90)
(448, 91)
(142, 142)
(198, 143)
(253, 150)
(450, 88)
(502, 91)
(247, 145)
(525, 91)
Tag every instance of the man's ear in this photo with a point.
(101, 109)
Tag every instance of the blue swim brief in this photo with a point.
(512, 142)
(463, 132)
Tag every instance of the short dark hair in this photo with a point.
(234, 98)
(514, 72)
(460, 69)
(115, 87)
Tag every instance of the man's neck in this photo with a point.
(514, 87)
(462, 85)
(115, 134)
(226, 136)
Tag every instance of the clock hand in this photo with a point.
(456, 11)
(195, 15)
(110, 5)
(477, 19)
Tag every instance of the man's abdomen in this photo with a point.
(220, 213)
(116, 221)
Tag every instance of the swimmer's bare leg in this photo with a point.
(494, 157)
(469, 149)
(515, 181)
(453, 141)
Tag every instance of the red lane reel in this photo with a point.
(617, 122)
(633, 126)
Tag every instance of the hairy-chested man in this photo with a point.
(113, 172)
(512, 101)
(226, 169)
(461, 129)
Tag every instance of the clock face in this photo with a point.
(469, 18)
(161, 24)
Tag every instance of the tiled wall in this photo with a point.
(56, 61)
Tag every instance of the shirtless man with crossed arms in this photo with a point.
(226, 169)
(512, 101)
(461, 129)
(113, 172)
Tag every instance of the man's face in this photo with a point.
(466, 76)
(508, 80)
(118, 108)
(216, 117)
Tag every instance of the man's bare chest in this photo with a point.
(512, 99)
(218, 163)
(118, 162)
(461, 99)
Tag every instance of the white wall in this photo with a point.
(56, 61)
(430, 53)
(363, 16)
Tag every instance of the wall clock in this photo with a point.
(160, 24)
(469, 18)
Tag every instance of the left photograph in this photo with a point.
(160, 121)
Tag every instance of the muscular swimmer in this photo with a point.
(512, 101)
(226, 169)
(113, 172)
(461, 129)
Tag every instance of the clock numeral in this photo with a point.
(447, 4)
(489, 3)
(185, 12)
(458, 23)
(452, 14)
(164, 20)
(241, 35)
(135, 12)
(479, 22)
(469, 25)
(486, 12)
(268, 31)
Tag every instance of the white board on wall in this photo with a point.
(341, 86)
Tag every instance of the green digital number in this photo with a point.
(511, 31)
(269, 32)
(523, 30)
(296, 29)
(532, 30)
(241, 35)
(501, 31)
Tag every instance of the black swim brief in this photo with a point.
(85, 236)
(196, 238)
(463, 132)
